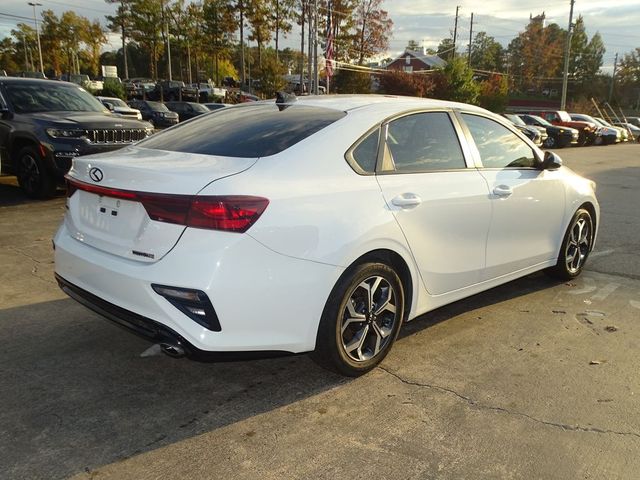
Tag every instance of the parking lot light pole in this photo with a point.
(35, 21)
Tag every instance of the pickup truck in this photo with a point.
(208, 92)
(588, 131)
(171, 90)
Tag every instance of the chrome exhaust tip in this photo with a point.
(172, 350)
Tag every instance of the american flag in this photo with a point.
(328, 51)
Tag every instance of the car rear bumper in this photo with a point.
(265, 301)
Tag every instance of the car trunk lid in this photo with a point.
(123, 202)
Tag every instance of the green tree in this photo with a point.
(259, 19)
(536, 54)
(413, 45)
(352, 81)
(282, 14)
(590, 61)
(445, 49)
(219, 25)
(94, 36)
(25, 45)
(121, 23)
(455, 82)
(8, 55)
(146, 29)
(486, 53)
(51, 41)
(579, 42)
(270, 74)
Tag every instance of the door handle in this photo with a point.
(406, 200)
(502, 191)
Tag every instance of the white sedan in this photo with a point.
(319, 225)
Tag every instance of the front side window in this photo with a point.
(423, 142)
(499, 147)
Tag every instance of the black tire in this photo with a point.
(34, 177)
(574, 252)
(348, 321)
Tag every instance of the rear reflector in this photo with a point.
(231, 213)
(193, 303)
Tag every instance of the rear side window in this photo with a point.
(366, 152)
(245, 131)
(424, 142)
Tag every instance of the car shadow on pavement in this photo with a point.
(76, 392)
(517, 288)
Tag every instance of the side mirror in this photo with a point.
(552, 161)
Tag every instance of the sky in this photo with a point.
(428, 21)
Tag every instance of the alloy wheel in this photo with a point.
(578, 245)
(368, 319)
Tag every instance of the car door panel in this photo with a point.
(528, 203)
(441, 205)
(526, 224)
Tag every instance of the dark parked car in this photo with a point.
(170, 90)
(44, 124)
(156, 113)
(187, 110)
(537, 135)
(559, 137)
(216, 106)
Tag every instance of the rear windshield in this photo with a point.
(245, 131)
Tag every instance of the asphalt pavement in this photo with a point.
(534, 379)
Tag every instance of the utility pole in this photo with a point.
(567, 50)
(242, 72)
(34, 5)
(310, 51)
(455, 33)
(470, 40)
(316, 73)
(613, 77)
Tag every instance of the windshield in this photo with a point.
(198, 107)
(541, 121)
(603, 121)
(35, 97)
(564, 116)
(157, 106)
(516, 120)
(116, 102)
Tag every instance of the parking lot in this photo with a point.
(534, 379)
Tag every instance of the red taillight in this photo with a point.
(232, 213)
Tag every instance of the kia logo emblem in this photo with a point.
(96, 174)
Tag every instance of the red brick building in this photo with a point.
(415, 61)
